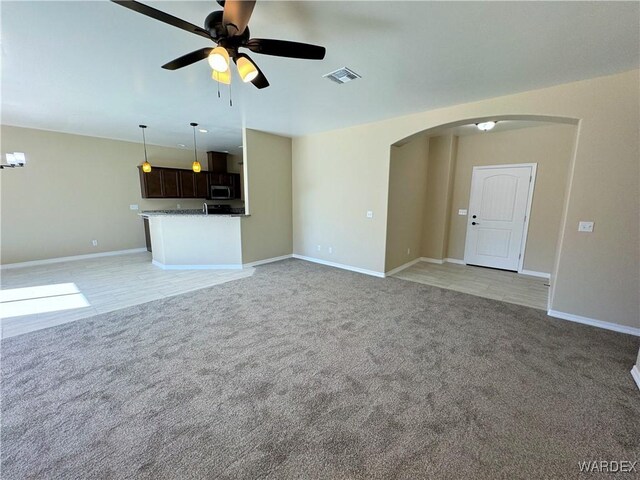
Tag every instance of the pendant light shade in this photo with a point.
(222, 77)
(246, 69)
(146, 166)
(196, 167)
(219, 59)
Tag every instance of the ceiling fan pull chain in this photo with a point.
(230, 101)
(218, 89)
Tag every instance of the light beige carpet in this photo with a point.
(305, 371)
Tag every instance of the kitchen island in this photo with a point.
(190, 239)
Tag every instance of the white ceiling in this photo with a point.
(93, 67)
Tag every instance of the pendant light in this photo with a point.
(196, 164)
(146, 166)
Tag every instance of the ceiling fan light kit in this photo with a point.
(219, 59)
(229, 30)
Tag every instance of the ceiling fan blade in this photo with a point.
(237, 13)
(188, 59)
(163, 17)
(260, 81)
(284, 48)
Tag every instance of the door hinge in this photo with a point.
(530, 178)
(519, 256)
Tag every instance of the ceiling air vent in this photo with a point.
(342, 75)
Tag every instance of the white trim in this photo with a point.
(402, 267)
(437, 261)
(525, 230)
(533, 273)
(635, 373)
(35, 263)
(235, 266)
(457, 261)
(595, 323)
(266, 260)
(340, 265)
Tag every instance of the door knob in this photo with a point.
(473, 216)
(475, 223)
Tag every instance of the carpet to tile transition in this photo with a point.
(305, 371)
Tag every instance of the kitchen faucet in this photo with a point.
(205, 208)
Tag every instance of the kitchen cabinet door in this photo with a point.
(201, 185)
(170, 183)
(187, 184)
(151, 183)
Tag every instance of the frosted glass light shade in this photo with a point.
(485, 126)
(219, 59)
(196, 166)
(222, 77)
(246, 69)
(146, 167)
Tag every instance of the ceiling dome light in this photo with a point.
(246, 69)
(219, 59)
(222, 77)
(486, 126)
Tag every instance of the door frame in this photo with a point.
(532, 182)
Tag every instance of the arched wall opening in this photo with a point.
(430, 181)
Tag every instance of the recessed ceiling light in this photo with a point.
(203, 130)
(182, 145)
(225, 151)
(239, 146)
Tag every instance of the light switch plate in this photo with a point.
(462, 211)
(133, 207)
(369, 214)
(585, 227)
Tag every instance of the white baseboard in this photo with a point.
(635, 373)
(402, 267)
(35, 263)
(595, 323)
(340, 265)
(267, 260)
(533, 273)
(235, 266)
(455, 260)
(437, 261)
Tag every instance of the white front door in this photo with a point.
(497, 215)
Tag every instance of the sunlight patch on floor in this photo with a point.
(16, 302)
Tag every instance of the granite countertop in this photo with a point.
(191, 212)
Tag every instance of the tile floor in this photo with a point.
(107, 284)
(484, 282)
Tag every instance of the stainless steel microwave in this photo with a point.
(221, 192)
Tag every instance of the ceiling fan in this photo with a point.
(228, 28)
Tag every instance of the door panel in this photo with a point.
(497, 214)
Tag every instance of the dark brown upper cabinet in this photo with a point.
(163, 182)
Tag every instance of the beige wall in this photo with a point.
(551, 147)
(75, 189)
(407, 186)
(338, 175)
(267, 233)
(435, 234)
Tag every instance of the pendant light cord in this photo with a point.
(195, 151)
(144, 142)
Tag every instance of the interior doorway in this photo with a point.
(499, 209)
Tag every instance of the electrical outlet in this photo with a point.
(408, 251)
(133, 207)
(585, 227)
(369, 214)
(94, 243)
(330, 249)
(462, 211)
(319, 248)
(178, 206)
